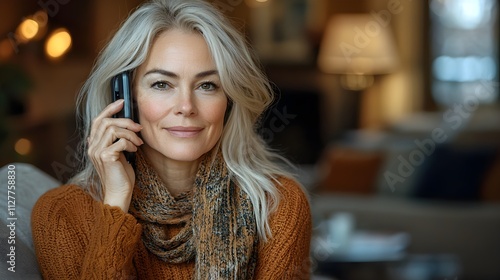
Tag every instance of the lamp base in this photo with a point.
(356, 82)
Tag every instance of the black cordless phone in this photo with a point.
(121, 89)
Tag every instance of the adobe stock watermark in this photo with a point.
(321, 250)
(453, 119)
(278, 122)
(51, 8)
(363, 37)
(65, 171)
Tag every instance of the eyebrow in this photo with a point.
(174, 75)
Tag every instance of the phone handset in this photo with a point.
(121, 89)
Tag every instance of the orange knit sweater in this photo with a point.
(76, 237)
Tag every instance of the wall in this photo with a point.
(399, 94)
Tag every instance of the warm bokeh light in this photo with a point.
(41, 18)
(256, 3)
(27, 29)
(6, 49)
(23, 146)
(58, 43)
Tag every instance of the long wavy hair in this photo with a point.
(252, 165)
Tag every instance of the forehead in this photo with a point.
(178, 46)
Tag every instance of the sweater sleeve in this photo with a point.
(286, 254)
(76, 237)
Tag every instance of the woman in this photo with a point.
(205, 199)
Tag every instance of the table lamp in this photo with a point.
(357, 47)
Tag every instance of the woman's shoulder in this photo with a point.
(65, 193)
(291, 192)
(290, 223)
(293, 205)
(66, 198)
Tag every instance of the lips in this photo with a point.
(184, 131)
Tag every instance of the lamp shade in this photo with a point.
(357, 44)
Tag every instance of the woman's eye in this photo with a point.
(208, 86)
(160, 85)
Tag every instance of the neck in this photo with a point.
(177, 176)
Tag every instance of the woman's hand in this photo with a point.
(116, 174)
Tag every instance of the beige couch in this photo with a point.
(470, 232)
(467, 229)
(30, 184)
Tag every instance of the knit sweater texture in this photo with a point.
(76, 237)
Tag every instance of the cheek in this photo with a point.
(149, 111)
(215, 113)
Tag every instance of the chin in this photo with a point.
(184, 154)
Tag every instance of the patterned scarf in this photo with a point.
(217, 220)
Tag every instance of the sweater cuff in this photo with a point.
(113, 243)
(119, 230)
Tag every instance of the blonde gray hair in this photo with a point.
(252, 165)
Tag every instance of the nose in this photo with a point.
(185, 104)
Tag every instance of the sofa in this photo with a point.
(467, 232)
(18, 255)
(448, 202)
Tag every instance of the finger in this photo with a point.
(111, 109)
(96, 148)
(113, 133)
(101, 126)
(113, 152)
(123, 123)
(126, 145)
(108, 111)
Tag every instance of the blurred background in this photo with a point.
(389, 108)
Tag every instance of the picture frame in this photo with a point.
(279, 31)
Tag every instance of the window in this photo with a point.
(464, 50)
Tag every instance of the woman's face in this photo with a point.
(180, 101)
